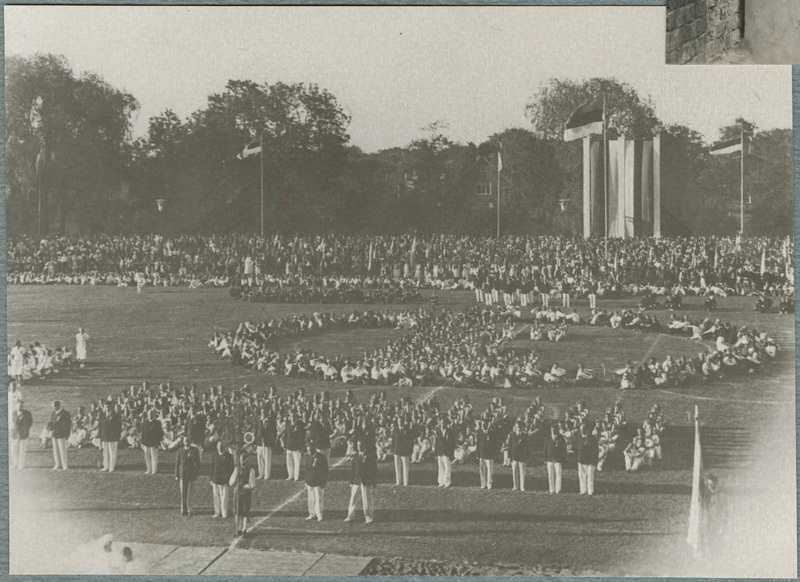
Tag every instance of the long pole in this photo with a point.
(262, 184)
(39, 213)
(741, 213)
(605, 173)
(499, 164)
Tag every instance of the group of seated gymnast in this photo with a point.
(37, 361)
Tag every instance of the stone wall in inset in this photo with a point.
(698, 31)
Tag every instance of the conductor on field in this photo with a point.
(80, 346)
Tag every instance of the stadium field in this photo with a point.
(635, 525)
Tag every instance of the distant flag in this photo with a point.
(763, 260)
(650, 256)
(730, 146)
(695, 535)
(250, 150)
(369, 257)
(585, 120)
(40, 159)
(716, 257)
(616, 260)
(499, 156)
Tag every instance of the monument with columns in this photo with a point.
(629, 203)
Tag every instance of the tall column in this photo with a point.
(587, 187)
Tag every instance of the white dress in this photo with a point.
(80, 346)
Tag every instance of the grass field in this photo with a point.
(636, 525)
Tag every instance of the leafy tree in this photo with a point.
(66, 143)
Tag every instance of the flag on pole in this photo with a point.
(731, 146)
(716, 257)
(585, 120)
(250, 150)
(695, 535)
(499, 158)
(369, 258)
(763, 260)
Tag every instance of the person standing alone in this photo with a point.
(221, 471)
(588, 454)
(61, 422)
(21, 422)
(555, 455)
(152, 435)
(80, 347)
(110, 434)
(187, 465)
(316, 480)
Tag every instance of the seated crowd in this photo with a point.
(515, 268)
(37, 361)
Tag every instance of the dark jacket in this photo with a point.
(110, 427)
(266, 432)
(21, 423)
(196, 429)
(588, 450)
(364, 469)
(518, 447)
(152, 433)
(444, 447)
(221, 468)
(316, 470)
(402, 441)
(320, 434)
(295, 436)
(62, 424)
(187, 463)
(555, 449)
(485, 447)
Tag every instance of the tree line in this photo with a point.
(73, 166)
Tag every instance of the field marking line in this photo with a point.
(767, 402)
(297, 495)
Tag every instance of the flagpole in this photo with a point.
(605, 173)
(262, 184)
(741, 213)
(498, 191)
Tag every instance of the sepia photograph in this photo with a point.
(400, 291)
(733, 32)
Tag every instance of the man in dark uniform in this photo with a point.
(266, 437)
(152, 435)
(518, 452)
(319, 433)
(555, 455)
(485, 451)
(295, 444)
(588, 454)
(196, 428)
(402, 447)
(316, 480)
(21, 422)
(187, 465)
(110, 434)
(444, 449)
(221, 470)
(61, 422)
(363, 477)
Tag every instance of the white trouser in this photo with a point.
(401, 465)
(151, 460)
(592, 300)
(632, 463)
(545, 300)
(485, 468)
(445, 468)
(221, 494)
(518, 472)
(18, 449)
(565, 299)
(366, 500)
(316, 501)
(109, 454)
(293, 459)
(264, 457)
(554, 476)
(586, 478)
(60, 453)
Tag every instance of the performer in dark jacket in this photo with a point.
(444, 449)
(588, 453)
(266, 437)
(219, 477)
(319, 433)
(295, 444)
(245, 483)
(152, 435)
(486, 452)
(555, 455)
(21, 423)
(187, 465)
(518, 452)
(364, 477)
(402, 447)
(110, 434)
(61, 422)
(316, 480)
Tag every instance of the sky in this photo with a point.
(395, 70)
